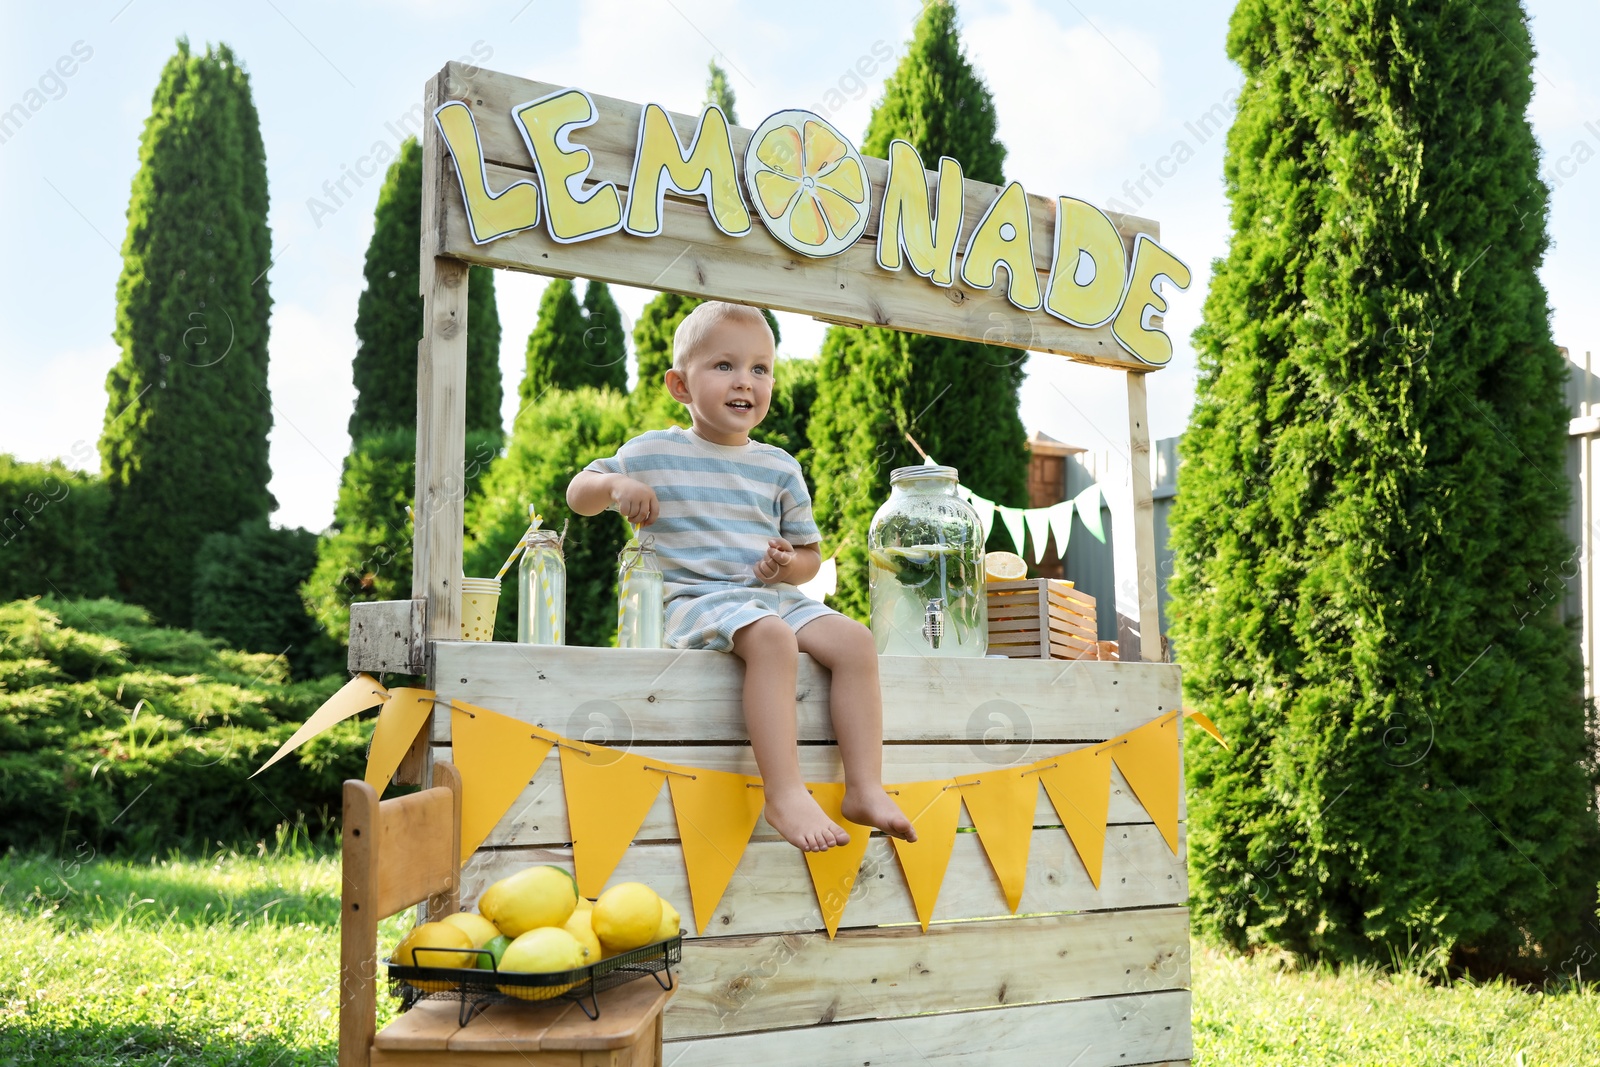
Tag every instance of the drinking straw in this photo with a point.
(521, 543)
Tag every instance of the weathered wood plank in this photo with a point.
(388, 636)
(538, 818)
(1145, 1029)
(771, 891)
(741, 984)
(639, 696)
(692, 256)
(1151, 647)
(611, 143)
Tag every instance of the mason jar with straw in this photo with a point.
(541, 587)
(641, 612)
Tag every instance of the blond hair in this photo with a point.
(691, 333)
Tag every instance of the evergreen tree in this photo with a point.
(957, 398)
(719, 92)
(184, 449)
(557, 357)
(553, 439)
(1368, 540)
(389, 316)
(604, 339)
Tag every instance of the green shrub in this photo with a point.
(53, 531)
(127, 735)
(247, 593)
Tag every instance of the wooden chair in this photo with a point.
(398, 853)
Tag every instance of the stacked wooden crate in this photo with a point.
(1041, 618)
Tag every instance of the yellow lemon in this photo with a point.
(578, 926)
(481, 930)
(529, 899)
(626, 916)
(434, 936)
(584, 904)
(547, 950)
(670, 921)
(809, 181)
(1004, 567)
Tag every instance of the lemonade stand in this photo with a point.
(1042, 917)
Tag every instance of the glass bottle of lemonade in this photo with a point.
(927, 585)
(641, 611)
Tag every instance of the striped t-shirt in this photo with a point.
(720, 505)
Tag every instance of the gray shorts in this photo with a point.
(709, 620)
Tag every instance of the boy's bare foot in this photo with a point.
(802, 823)
(874, 807)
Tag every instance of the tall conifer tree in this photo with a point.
(1368, 535)
(389, 316)
(603, 338)
(184, 448)
(957, 398)
(557, 357)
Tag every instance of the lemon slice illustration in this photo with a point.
(809, 183)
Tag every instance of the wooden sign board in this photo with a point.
(539, 177)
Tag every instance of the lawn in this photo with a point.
(231, 958)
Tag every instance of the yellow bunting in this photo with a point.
(1150, 261)
(1089, 268)
(934, 809)
(707, 169)
(1004, 235)
(571, 213)
(609, 792)
(489, 214)
(1001, 804)
(1202, 720)
(357, 695)
(497, 757)
(1148, 759)
(928, 239)
(716, 813)
(833, 872)
(1079, 786)
(401, 716)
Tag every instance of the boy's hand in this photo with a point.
(780, 554)
(635, 501)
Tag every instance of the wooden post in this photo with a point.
(441, 421)
(1144, 528)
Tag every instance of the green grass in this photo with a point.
(232, 958)
(226, 959)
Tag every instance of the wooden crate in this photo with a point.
(1041, 618)
(1108, 966)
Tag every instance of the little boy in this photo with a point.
(733, 527)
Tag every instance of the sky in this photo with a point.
(1094, 99)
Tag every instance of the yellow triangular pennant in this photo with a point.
(1079, 786)
(497, 757)
(1148, 759)
(934, 808)
(357, 695)
(609, 792)
(716, 813)
(1202, 720)
(1001, 803)
(401, 716)
(833, 872)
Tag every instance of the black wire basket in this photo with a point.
(477, 988)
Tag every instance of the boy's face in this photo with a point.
(727, 383)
